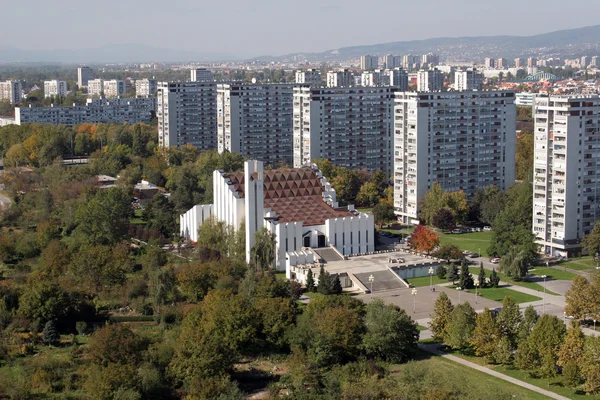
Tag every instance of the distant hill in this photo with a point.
(565, 43)
(118, 53)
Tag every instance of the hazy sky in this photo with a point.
(273, 27)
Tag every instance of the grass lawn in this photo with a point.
(424, 281)
(504, 278)
(137, 218)
(498, 294)
(422, 328)
(477, 242)
(280, 276)
(365, 209)
(553, 272)
(474, 381)
(579, 264)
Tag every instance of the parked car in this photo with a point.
(487, 228)
(456, 230)
(466, 253)
(495, 260)
(475, 255)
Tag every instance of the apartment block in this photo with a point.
(369, 62)
(463, 140)
(392, 61)
(145, 87)
(201, 75)
(489, 63)
(96, 111)
(373, 78)
(468, 80)
(410, 62)
(502, 63)
(84, 75)
(398, 78)
(255, 120)
(351, 127)
(518, 62)
(187, 114)
(114, 88)
(55, 88)
(430, 81)
(95, 87)
(340, 78)
(309, 76)
(430, 60)
(566, 175)
(11, 91)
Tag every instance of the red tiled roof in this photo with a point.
(294, 194)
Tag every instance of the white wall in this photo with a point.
(351, 235)
(191, 221)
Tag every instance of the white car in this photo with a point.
(495, 260)
(487, 228)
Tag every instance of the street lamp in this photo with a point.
(371, 279)
(544, 301)
(414, 293)
(476, 293)
(594, 325)
(430, 278)
(459, 289)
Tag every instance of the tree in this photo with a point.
(196, 279)
(277, 317)
(114, 344)
(591, 365)
(530, 317)
(391, 335)
(453, 273)
(44, 301)
(347, 184)
(494, 278)
(431, 203)
(162, 287)
(579, 299)
(514, 264)
(442, 309)
(460, 327)
(591, 241)
(524, 157)
(539, 351)
(509, 320)
(336, 285)
(50, 334)
(571, 352)
(465, 280)
(423, 239)
(324, 286)
(485, 334)
(383, 213)
(443, 219)
(503, 351)
(263, 251)
(481, 276)
(310, 281)
(81, 327)
(448, 252)
(441, 272)
(571, 373)
(368, 194)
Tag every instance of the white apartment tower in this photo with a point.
(84, 75)
(201, 75)
(410, 62)
(55, 88)
(566, 175)
(594, 62)
(145, 87)
(430, 81)
(255, 120)
(399, 79)
(340, 78)
(369, 62)
(392, 61)
(187, 114)
(309, 76)
(11, 91)
(95, 87)
(372, 78)
(114, 88)
(351, 127)
(468, 80)
(430, 60)
(463, 140)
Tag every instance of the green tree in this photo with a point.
(383, 213)
(368, 194)
(263, 251)
(44, 301)
(448, 252)
(443, 219)
(494, 278)
(336, 285)
(503, 351)
(347, 185)
(509, 320)
(162, 287)
(441, 272)
(485, 335)
(530, 317)
(466, 279)
(591, 241)
(310, 281)
(391, 335)
(571, 354)
(453, 273)
(196, 279)
(115, 344)
(324, 285)
(514, 264)
(481, 276)
(524, 157)
(50, 334)
(460, 327)
(591, 365)
(431, 203)
(277, 317)
(579, 299)
(442, 309)
(539, 351)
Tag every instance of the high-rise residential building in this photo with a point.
(392, 61)
(583, 62)
(518, 62)
(373, 78)
(201, 75)
(11, 91)
(398, 78)
(114, 88)
(95, 87)
(96, 111)
(594, 62)
(84, 75)
(351, 127)
(489, 63)
(55, 88)
(255, 120)
(430, 81)
(410, 62)
(468, 80)
(340, 78)
(531, 62)
(309, 76)
(566, 191)
(430, 60)
(473, 146)
(145, 87)
(187, 114)
(502, 63)
(369, 62)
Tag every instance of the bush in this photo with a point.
(81, 327)
(441, 272)
(50, 334)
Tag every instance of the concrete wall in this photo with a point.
(351, 235)
(193, 219)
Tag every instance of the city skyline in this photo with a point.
(267, 31)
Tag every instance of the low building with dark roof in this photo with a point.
(298, 205)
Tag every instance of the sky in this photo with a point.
(249, 28)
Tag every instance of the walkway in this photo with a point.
(433, 348)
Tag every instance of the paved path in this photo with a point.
(433, 348)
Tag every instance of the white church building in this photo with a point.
(298, 205)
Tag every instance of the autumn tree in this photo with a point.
(571, 353)
(423, 239)
(579, 299)
(442, 309)
(368, 194)
(485, 335)
(590, 367)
